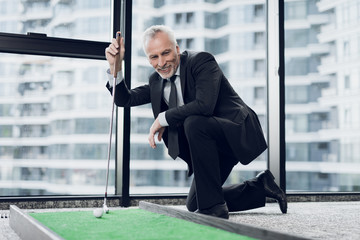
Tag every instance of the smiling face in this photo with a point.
(163, 55)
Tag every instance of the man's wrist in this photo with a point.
(119, 77)
(162, 119)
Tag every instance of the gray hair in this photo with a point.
(153, 30)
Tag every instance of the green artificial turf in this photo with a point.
(128, 224)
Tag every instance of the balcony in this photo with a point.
(325, 5)
(37, 12)
(328, 65)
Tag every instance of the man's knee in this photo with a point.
(200, 125)
(192, 123)
(191, 203)
(191, 207)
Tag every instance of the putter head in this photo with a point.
(105, 208)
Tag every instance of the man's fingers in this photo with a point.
(112, 50)
(161, 131)
(115, 43)
(155, 128)
(113, 47)
(122, 49)
(151, 139)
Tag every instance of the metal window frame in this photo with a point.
(40, 44)
(276, 90)
(124, 180)
(275, 101)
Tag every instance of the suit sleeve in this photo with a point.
(207, 77)
(125, 97)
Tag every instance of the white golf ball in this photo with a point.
(98, 212)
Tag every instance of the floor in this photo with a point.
(313, 220)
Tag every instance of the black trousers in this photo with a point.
(212, 162)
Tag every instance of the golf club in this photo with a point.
(117, 59)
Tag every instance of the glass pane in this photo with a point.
(54, 126)
(234, 31)
(322, 43)
(81, 19)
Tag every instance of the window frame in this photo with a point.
(41, 44)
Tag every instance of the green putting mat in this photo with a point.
(128, 224)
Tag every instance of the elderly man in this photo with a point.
(202, 120)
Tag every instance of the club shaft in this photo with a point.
(116, 69)
(110, 138)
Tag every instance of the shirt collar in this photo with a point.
(178, 70)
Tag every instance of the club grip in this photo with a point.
(117, 56)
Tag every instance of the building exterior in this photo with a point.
(55, 111)
(341, 65)
(322, 95)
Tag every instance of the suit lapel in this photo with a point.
(182, 73)
(157, 95)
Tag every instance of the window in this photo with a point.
(184, 18)
(217, 45)
(217, 31)
(297, 38)
(54, 106)
(186, 43)
(259, 11)
(49, 127)
(319, 113)
(259, 67)
(189, 17)
(259, 40)
(80, 19)
(259, 94)
(346, 81)
(214, 20)
(295, 10)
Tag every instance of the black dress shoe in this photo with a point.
(219, 210)
(272, 190)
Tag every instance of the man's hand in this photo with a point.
(112, 50)
(155, 128)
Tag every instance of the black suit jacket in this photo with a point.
(206, 92)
